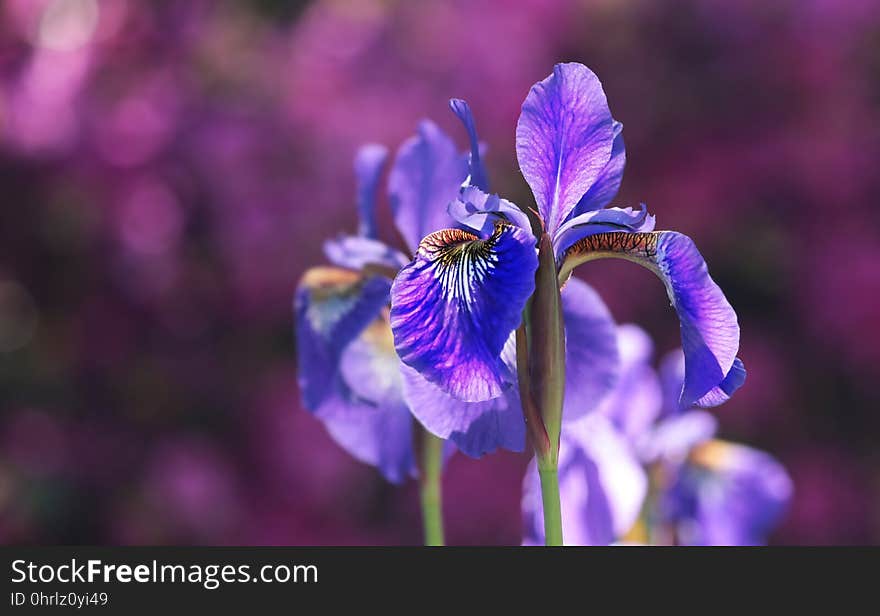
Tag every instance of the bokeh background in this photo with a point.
(168, 170)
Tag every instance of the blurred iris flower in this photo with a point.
(643, 469)
(349, 374)
(456, 306)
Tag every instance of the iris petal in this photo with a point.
(601, 483)
(476, 428)
(454, 307)
(608, 183)
(367, 415)
(356, 253)
(426, 175)
(380, 437)
(368, 164)
(709, 328)
(591, 355)
(672, 373)
(637, 400)
(480, 211)
(721, 394)
(737, 495)
(333, 306)
(602, 221)
(564, 139)
(476, 171)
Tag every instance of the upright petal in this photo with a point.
(427, 174)
(591, 356)
(476, 171)
(357, 252)
(564, 139)
(454, 307)
(368, 164)
(608, 183)
(368, 417)
(709, 328)
(332, 306)
(602, 486)
(480, 211)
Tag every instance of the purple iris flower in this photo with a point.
(456, 305)
(726, 494)
(703, 490)
(709, 491)
(349, 373)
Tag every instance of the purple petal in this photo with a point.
(636, 401)
(368, 164)
(709, 328)
(602, 486)
(477, 428)
(427, 174)
(564, 139)
(476, 171)
(454, 307)
(608, 183)
(381, 437)
(332, 306)
(480, 211)
(591, 356)
(722, 393)
(739, 500)
(602, 221)
(370, 419)
(674, 437)
(672, 371)
(356, 252)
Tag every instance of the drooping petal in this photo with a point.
(722, 393)
(380, 437)
(332, 307)
(591, 357)
(453, 308)
(564, 139)
(602, 486)
(368, 164)
(480, 211)
(368, 416)
(356, 252)
(737, 495)
(709, 328)
(476, 171)
(477, 428)
(602, 221)
(636, 401)
(672, 373)
(608, 183)
(426, 175)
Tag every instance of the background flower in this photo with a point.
(156, 161)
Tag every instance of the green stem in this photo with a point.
(429, 487)
(547, 375)
(552, 507)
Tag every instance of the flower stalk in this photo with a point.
(547, 372)
(430, 489)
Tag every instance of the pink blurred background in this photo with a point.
(169, 170)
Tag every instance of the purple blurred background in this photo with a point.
(169, 169)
